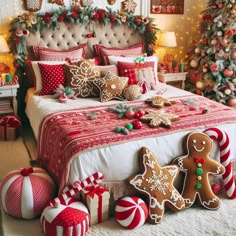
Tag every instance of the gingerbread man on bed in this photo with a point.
(197, 165)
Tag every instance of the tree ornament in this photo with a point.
(58, 2)
(197, 50)
(33, 5)
(233, 55)
(129, 6)
(194, 63)
(111, 2)
(228, 72)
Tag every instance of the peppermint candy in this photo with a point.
(223, 140)
(131, 212)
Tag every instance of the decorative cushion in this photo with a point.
(131, 212)
(69, 218)
(113, 60)
(52, 76)
(79, 78)
(25, 192)
(46, 54)
(132, 92)
(112, 68)
(143, 76)
(197, 166)
(157, 184)
(111, 86)
(104, 52)
(35, 72)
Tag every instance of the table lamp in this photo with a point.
(3, 45)
(168, 40)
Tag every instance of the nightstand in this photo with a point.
(173, 77)
(10, 91)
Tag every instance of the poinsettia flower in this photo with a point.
(16, 41)
(112, 17)
(60, 18)
(145, 20)
(137, 20)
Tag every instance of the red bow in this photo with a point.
(92, 190)
(199, 160)
(10, 121)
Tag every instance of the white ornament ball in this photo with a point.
(197, 50)
(200, 85)
(219, 24)
(25, 192)
(193, 63)
(204, 69)
(219, 33)
(131, 212)
(227, 91)
(213, 42)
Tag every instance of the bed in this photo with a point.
(92, 151)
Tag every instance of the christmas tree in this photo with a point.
(212, 60)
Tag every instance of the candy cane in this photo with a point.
(223, 140)
(76, 187)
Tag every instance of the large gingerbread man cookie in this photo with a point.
(158, 102)
(157, 184)
(197, 165)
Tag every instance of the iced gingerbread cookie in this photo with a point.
(156, 183)
(159, 118)
(158, 102)
(197, 165)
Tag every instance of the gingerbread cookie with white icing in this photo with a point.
(158, 102)
(197, 166)
(156, 183)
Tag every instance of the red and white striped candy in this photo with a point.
(25, 192)
(131, 212)
(222, 138)
(76, 187)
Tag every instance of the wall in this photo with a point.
(185, 26)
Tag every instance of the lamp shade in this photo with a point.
(3, 45)
(167, 39)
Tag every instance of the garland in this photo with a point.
(21, 26)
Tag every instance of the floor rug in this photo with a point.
(194, 221)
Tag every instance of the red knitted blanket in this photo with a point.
(65, 133)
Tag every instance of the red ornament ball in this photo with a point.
(131, 212)
(129, 114)
(137, 124)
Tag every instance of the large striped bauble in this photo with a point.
(25, 192)
(70, 217)
(131, 212)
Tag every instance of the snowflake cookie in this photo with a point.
(156, 183)
(159, 118)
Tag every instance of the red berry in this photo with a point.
(139, 113)
(129, 114)
(137, 124)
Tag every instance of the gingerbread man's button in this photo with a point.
(199, 171)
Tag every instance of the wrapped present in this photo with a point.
(97, 200)
(9, 127)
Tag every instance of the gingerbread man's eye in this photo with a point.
(203, 142)
(194, 141)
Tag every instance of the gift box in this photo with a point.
(9, 128)
(97, 200)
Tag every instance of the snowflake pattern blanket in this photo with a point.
(66, 133)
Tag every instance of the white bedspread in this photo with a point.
(122, 158)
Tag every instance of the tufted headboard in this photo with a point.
(70, 35)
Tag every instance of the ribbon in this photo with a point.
(96, 190)
(10, 121)
(199, 160)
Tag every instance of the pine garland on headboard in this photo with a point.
(30, 22)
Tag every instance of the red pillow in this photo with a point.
(143, 74)
(103, 52)
(52, 77)
(46, 54)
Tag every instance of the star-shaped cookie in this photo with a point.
(129, 6)
(111, 86)
(158, 102)
(156, 183)
(159, 118)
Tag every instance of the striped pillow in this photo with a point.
(47, 54)
(104, 52)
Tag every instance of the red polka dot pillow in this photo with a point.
(52, 76)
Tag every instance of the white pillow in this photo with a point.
(37, 74)
(113, 60)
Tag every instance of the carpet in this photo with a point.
(194, 221)
(13, 155)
